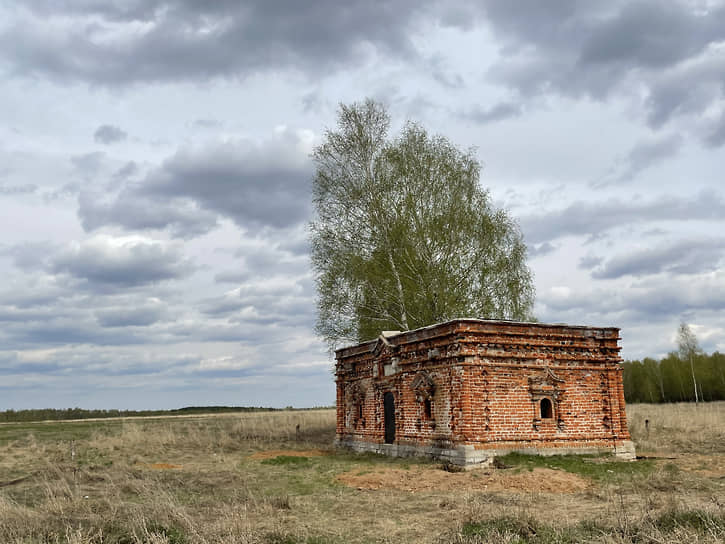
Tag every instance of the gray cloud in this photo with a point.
(595, 218)
(135, 211)
(681, 257)
(60, 332)
(497, 112)
(578, 49)
(277, 297)
(30, 255)
(128, 170)
(590, 261)
(186, 40)
(265, 264)
(255, 185)
(438, 67)
(108, 134)
(655, 301)
(18, 189)
(129, 316)
(121, 262)
(206, 123)
(715, 135)
(541, 250)
(89, 164)
(643, 155)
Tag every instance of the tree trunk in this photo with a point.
(399, 286)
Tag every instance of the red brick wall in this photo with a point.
(489, 378)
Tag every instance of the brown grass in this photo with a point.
(253, 478)
(678, 428)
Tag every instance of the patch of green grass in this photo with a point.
(174, 535)
(56, 430)
(279, 538)
(286, 474)
(378, 459)
(698, 520)
(286, 460)
(596, 468)
(528, 531)
(92, 458)
(525, 531)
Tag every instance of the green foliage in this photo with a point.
(686, 375)
(404, 235)
(670, 379)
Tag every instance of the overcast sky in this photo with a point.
(155, 177)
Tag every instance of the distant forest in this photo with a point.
(649, 380)
(52, 414)
(670, 379)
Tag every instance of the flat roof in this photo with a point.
(396, 334)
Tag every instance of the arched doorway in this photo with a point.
(389, 404)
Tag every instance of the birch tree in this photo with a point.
(688, 348)
(404, 236)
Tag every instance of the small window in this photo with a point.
(547, 411)
(428, 408)
(360, 410)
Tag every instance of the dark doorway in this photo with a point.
(389, 401)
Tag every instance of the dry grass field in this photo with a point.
(253, 478)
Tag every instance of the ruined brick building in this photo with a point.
(469, 389)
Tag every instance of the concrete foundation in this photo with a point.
(468, 457)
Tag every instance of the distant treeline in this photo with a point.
(79, 413)
(670, 379)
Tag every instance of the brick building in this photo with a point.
(469, 389)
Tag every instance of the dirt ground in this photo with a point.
(159, 466)
(710, 466)
(417, 479)
(270, 454)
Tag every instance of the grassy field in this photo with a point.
(256, 478)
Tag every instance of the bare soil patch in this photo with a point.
(160, 466)
(271, 454)
(418, 479)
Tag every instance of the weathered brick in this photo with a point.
(484, 384)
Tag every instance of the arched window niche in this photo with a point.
(424, 387)
(428, 409)
(546, 408)
(546, 390)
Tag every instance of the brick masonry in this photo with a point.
(469, 389)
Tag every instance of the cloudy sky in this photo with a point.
(155, 176)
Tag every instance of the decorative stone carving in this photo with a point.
(545, 384)
(423, 386)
